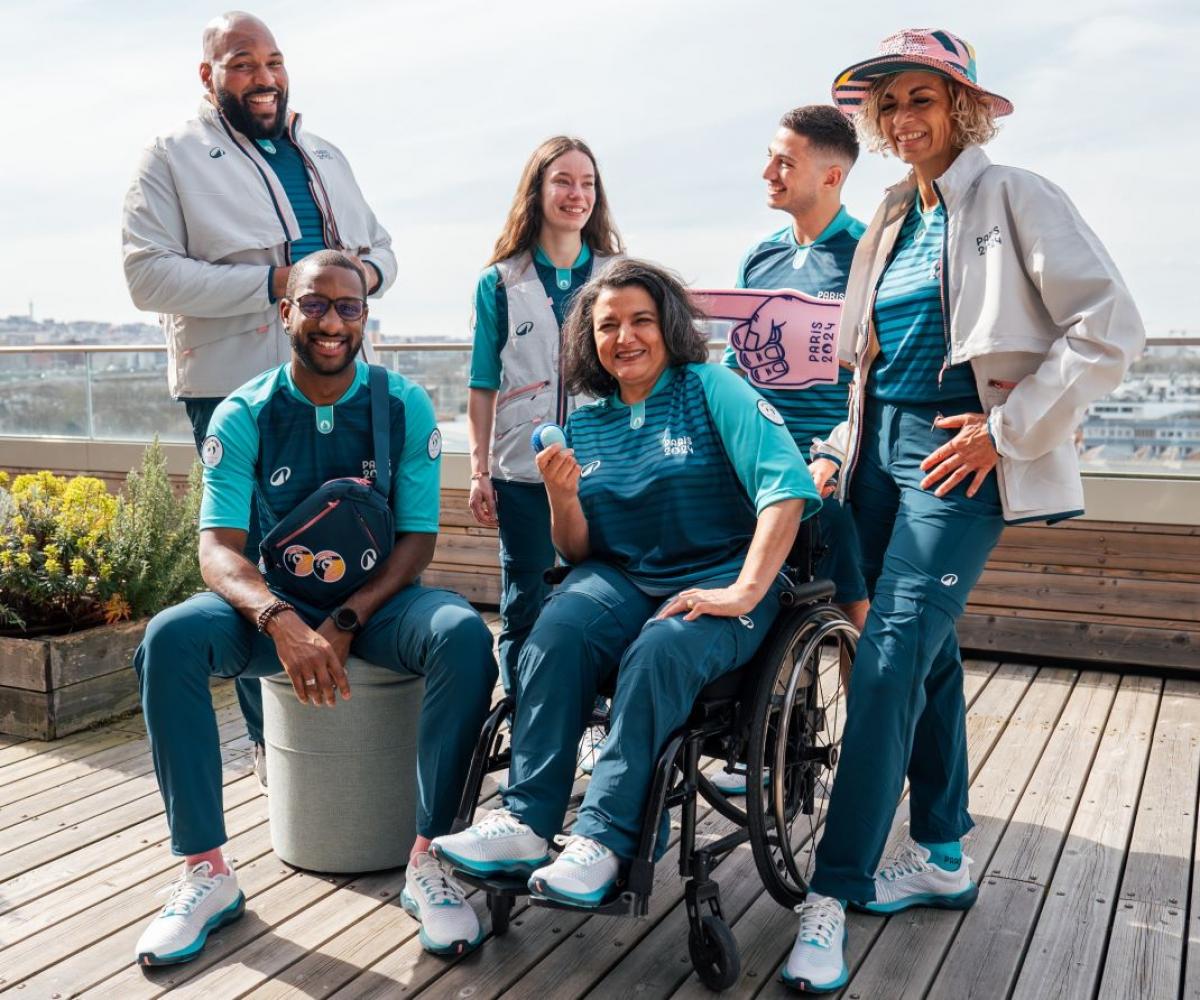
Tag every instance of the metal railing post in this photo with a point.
(89, 422)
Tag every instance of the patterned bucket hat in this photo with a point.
(914, 48)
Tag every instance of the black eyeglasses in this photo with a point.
(315, 306)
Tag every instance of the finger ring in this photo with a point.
(691, 603)
(311, 682)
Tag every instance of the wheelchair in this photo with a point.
(776, 716)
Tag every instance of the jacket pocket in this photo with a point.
(1048, 483)
(522, 407)
(200, 331)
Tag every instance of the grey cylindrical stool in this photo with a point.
(343, 781)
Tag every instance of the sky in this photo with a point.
(438, 104)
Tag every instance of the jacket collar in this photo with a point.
(953, 185)
(211, 114)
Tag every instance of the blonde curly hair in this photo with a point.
(971, 119)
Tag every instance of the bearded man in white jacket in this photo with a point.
(218, 211)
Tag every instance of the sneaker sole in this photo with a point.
(482, 869)
(808, 986)
(959, 901)
(540, 889)
(458, 947)
(227, 916)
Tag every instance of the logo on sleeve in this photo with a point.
(211, 451)
(281, 475)
(588, 469)
(524, 328)
(768, 411)
(434, 445)
(216, 152)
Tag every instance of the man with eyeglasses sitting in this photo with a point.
(277, 442)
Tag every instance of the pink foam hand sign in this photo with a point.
(783, 339)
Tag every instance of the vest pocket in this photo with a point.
(522, 407)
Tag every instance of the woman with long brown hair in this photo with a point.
(557, 235)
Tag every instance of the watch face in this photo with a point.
(345, 619)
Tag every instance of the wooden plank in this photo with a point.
(82, 823)
(1069, 638)
(1066, 949)
(1191, 985)
(476, 588)
(909, 950)
(46, 875)
(766, 930)
(132, 905)
(153, 862)
(106, 964)
(986, 954)
(1146, 944)
(1150, 599)
(29, 815)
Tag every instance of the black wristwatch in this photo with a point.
(346, 619)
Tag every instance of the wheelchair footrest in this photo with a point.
(496, 885)
(623, 904)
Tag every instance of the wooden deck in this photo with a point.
(1084, 788)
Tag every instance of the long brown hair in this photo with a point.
(524, 221)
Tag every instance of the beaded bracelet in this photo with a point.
(269, 612)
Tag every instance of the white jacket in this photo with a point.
(1032, 301)
(204, 220)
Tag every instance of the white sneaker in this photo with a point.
(448, 923)
(497, 843)
(734, 782)
(908, 879)
(200, 902)
(582, 874)
(589, 748)
(816, 963)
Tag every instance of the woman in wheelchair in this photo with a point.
(675, 501)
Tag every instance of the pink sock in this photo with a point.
(213, 857)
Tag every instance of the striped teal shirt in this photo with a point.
(288, 164)
(909, 320)
(672, 487)
(820, 269)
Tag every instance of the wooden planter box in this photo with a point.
(56, 685)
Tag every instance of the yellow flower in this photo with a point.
(29, 541)
(53, 567)
(51, 551)
(78, 566)
(105, 570)
(17, 522)
(5, 559)
(24, 559)
(4, 477)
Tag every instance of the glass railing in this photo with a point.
(1150, 426)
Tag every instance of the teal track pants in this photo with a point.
(595, 624)
(433, 633)
(526, 552)
(906, 716)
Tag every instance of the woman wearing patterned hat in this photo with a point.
(983, 316)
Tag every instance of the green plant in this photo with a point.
(154, 537)
(71, 554)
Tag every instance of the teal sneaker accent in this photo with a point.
(959, 901)
(218, 920)
(412, 908)
(539, 889)
(801, 985)
(482, 869)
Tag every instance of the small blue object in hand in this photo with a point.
(544, 435)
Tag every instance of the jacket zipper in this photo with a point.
(521, 390)
(942, 284)
(332, 236)
(308, 524)
(287, 240)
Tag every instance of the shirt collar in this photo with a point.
(836, 225)
(585, 254)
(360, 378)
(663, 379)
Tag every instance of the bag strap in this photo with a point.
(381, 429)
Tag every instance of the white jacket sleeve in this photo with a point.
(1085, 297)
(381, 256)
(161, 276)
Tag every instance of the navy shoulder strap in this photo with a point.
(381, 428)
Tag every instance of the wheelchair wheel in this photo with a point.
(795, 735)
(714, 954)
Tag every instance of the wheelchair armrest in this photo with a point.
(555, 574)
(812, 592)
